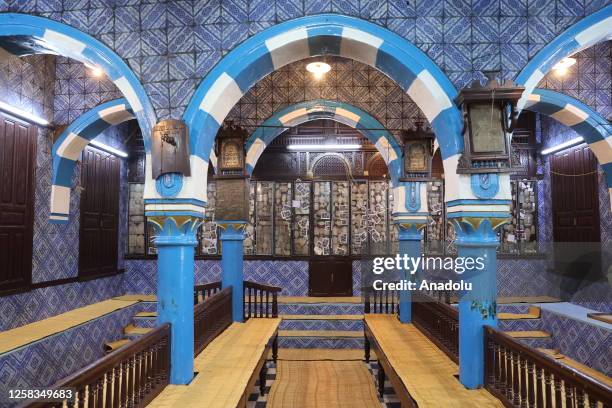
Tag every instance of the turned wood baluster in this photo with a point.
(275, 348)
(274, 304)
(539, 387)
(503, 380)
(580, 398)
(366, 348)
(262, 379)
(381, 380)
(569, 394)
(523, 380)
(124, 383)
(558, 387)
(99, 392)
(386, 301)
(149, 374)
(144, 371)
(250, 304)
(267, 301)
(366, 306)
(116, 386)
(530, 381)
(137, 384)
(548, 382)
(516, 391)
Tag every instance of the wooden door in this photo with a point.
(17, 164)
(330, 277)
(99, 213)
(575, 198)
(576, 230)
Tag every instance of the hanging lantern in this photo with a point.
(489, 114)
(232, 197)
(418, 152)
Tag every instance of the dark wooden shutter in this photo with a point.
(575, 198)
(99, 213)
(17, 163)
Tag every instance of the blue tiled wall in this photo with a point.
(172, 45)
(28, 83)
(291, 276)
(47, 361)
(587, 343)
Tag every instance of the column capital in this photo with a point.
(410, 231)
(175, 229)
(478, 231)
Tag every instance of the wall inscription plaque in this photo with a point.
(170, 148)
(232, 202)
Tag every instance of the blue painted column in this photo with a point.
(232, 263)
(476, 238)
(175, 240)
(409, 244)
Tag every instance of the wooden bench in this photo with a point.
(228, 367)
(421, 374)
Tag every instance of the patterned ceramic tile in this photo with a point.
(44, 362)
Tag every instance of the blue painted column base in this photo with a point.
(232, 263)
(410, 245)
(478, 307)
(175, 241)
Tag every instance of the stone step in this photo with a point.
(132, 332)
(321, 317)
(320, 339)
(145, 319)
(114, 345)
(321, 333)
(520, 325)
(146, 314)
(322, 322)
(528, 334)
(319, 299)
(533, 312)
(320, 309)
(542, 342)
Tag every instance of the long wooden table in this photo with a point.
(227, 368)
(421, 374)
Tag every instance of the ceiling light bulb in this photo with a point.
(318, 69)
(95, 71)
(562, 66)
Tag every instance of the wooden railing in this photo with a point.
(521, 376)
(438, 321)
(380, 301)
(204, 291)
(131, 376)
(211, 317)
(260, 300)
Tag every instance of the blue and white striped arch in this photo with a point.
(324, 34)
(595, 129)
(71, 142)
(341, 112)
(589, 31)
(23, 34)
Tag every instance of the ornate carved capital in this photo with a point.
(175, 230)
